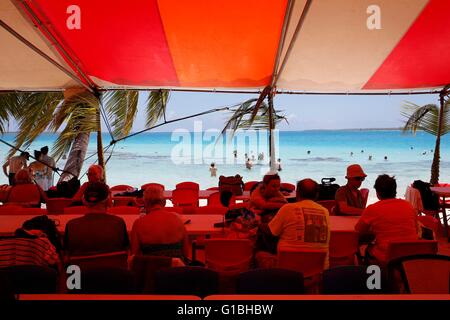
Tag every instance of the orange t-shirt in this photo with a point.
(390, 220)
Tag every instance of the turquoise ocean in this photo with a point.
(169, 158)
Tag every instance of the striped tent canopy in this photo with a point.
(231, 45)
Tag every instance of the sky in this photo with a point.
(303, 112)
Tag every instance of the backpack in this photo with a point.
(233, 184)
(430, 200)
(46, 225)
(327, 189)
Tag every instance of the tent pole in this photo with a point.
(271, 136)
(58, 45)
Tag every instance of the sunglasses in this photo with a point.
(359, 178)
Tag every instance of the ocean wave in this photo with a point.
(317, 159)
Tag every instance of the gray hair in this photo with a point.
(153, 195)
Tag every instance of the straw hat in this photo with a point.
(354, 171)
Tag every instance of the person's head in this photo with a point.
(355, 176)
(22, 177)
(44, 150)
(212, 165)
(95, 173)
(95, 196)
(386, 187)
(25, 155)
(154, 197)
(307, 189)
(37, 154)
(271, 185)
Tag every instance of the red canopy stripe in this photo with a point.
(420, 60)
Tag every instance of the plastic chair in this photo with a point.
(249, 185)
(24, 193)
(213, 189)
(185, 197)
(117, 259)
(228, 256)
(365, 195)
(152, 184)
(421, 274)
(197, 281)
(287, 186)
(270, 281)
(31, 278)
(349, 280)
(310, 262)
(121, 187)
(57, 205)
(75, 210)
(398, 249)
(329, 205)
(107, 281)
(125, 210)
(188, 185)
(145, 268)
(214, 199)
(343, 247)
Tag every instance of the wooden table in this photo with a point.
(200, 224)
(443, 192)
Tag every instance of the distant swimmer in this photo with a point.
(424, 153)
(412, 148)
(249, 164)
(351, 154)
(309, 152)
(385, 157)
(278, 163)
(370, 157)
(235, 154)
(213, 170)
(362, 151)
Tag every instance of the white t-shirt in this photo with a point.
(302, 224)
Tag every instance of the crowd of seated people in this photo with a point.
(303, 224)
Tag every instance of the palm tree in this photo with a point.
(75, 115)
(432, 119)
(256, 114)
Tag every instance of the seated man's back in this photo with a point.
(158, 231)
(96, 233)
(390, 220)
(302, 224)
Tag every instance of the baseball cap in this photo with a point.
(96, 192)
(354, 171)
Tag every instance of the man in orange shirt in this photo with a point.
(161, 231)
(389, 219)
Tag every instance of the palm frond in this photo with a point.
(9, 106)
(156, 106)
(424, 118)
(79, 114)
(34, 114)
(245, 117)
(121, 107)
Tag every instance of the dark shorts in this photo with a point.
(11, 178)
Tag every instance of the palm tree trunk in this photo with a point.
(437, 148)
(271, 136)
(76, 157)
